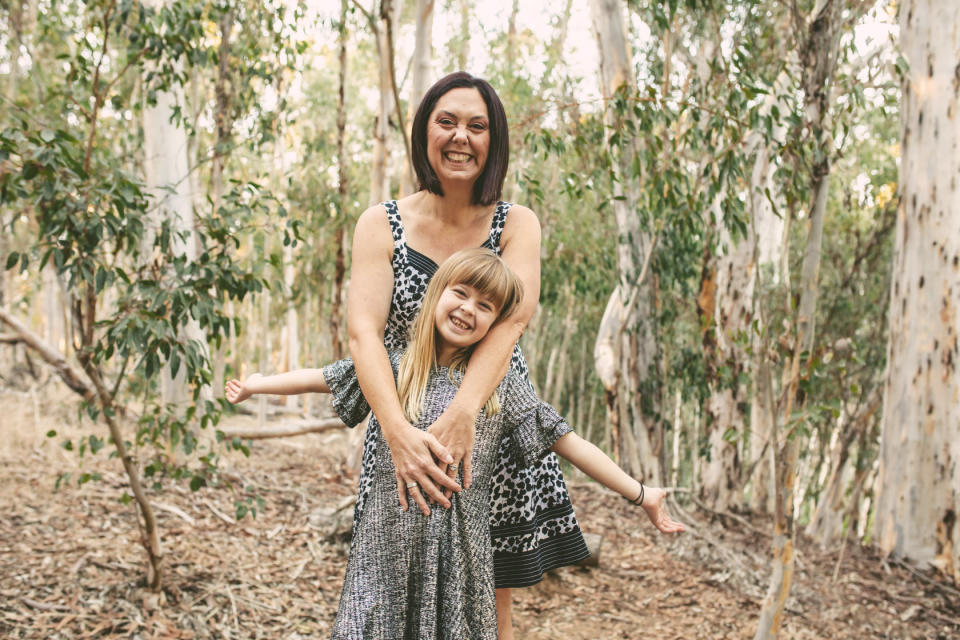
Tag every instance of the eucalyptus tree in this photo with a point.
(916, 515)
(340, 239)
(78, 181)
(422, 64)
(635, 344)
(818, 37)
(382, 21)
(675, 154)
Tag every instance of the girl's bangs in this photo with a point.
(486, 276)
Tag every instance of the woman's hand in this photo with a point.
(415, 453)
(455, 429)
(237, 391)
(653, 500)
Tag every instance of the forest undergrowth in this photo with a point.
(71, 565)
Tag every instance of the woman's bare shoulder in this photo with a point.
(373, 218)
(522, 223)
(521, 219)
(522, 214)
(372, 230)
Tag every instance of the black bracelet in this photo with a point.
(639, 499)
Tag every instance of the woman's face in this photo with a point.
(458, 136)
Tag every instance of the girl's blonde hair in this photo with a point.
(480, 269)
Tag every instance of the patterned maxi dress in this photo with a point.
(532, 524)
(419, 577)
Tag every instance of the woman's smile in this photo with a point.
(454, 156)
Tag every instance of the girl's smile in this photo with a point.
(463, 317)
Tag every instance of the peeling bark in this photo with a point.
(640, 437)
(919, 497)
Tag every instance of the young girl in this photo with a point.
(431, 577)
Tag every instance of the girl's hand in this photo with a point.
(455, 429)
(414, 452)
(237, 391)
(653, 504)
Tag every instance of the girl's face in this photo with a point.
(458, 135)
(463, 317)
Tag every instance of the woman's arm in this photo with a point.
(595, 463)
(282, 384)
(368, 307)
(520, 243)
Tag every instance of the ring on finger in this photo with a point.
(453, 467)
(412, 484)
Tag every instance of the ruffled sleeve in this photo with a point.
(533, 425)
(348, 400)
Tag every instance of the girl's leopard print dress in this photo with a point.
(532, 524)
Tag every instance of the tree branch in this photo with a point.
(64, 369)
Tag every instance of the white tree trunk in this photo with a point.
(379, 177)
(636, 347)
(768, 237)
(292, 344)
(463, 51)
(819, 54)
(919, 499)
(167, 176)
(767, 230)
(422, 74)
(729, 309)
(54, 325)
(837, 500)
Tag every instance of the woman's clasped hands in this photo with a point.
(426, 469)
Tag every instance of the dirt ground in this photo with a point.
(71, 564)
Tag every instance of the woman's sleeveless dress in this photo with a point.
(532, 524)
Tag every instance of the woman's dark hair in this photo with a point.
(489, 185)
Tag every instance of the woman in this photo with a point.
(460, 149)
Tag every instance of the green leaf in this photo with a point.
(101, 278)
(197, 482)
(12, 259)
(52, 433)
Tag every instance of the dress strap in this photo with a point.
(496, 225)
(396, 229)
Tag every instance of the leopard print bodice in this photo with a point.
(412, 272)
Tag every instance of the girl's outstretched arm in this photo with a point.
(595, 463)
(282, 384)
